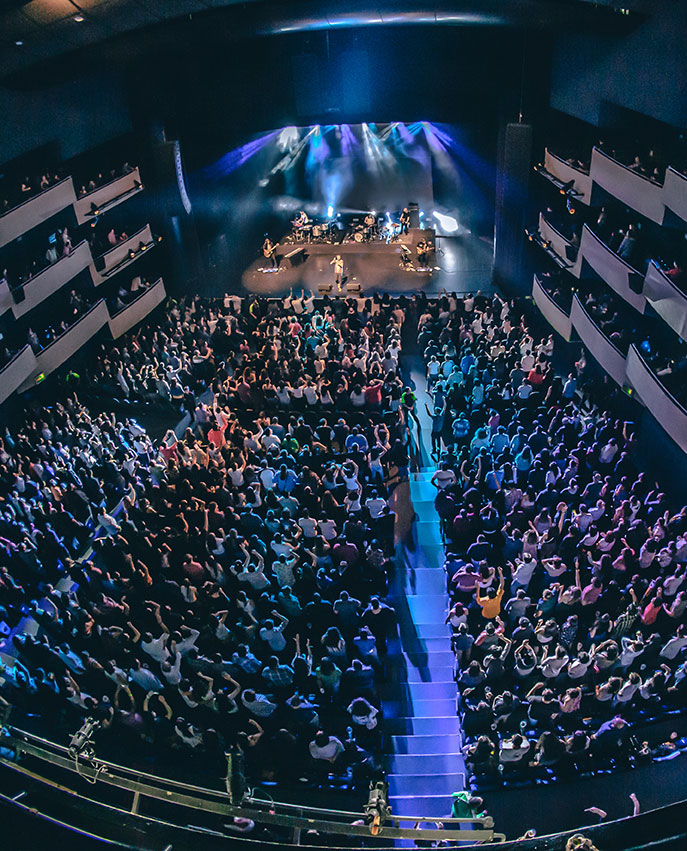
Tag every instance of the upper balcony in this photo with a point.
(38, 209)
(628, 186)
(122, 255)
(555, 315)
(106, 197)
(17, 371)
(67, 344)
(564, 175)
(675, 192)
(138, 309)
(666, 410)
(612, 269)
(666, 298)
(52, 278)
(598, 345)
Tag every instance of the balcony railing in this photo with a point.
(6, 300)
(566, 256)
(16, 372)
(52, 278)
(563, 173)
(68, 343)
(599, 346)
(555, 315)
(138, 309)
(108, 196)
(628, 186)
(675, 192)
(666, 298)
(648, 198)
(612, 269)
(666, 410)
(118, 257)
(35, 210)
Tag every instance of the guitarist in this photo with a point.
(269, 250)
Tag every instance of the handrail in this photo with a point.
(667, 279)
(566, 163)
(71, 327)
(548, 295)
(143, 292)
(302, 816)
(555, 229)
(627, 167)
(47, 268)
(657, 380)
(105, 185)
(33, 197)
(677, 171)
(627, 265)
(14, 357)
(119, 245)
(591, 320)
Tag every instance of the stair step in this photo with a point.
(431, 659)
(422, 806)
(427, 784)
(428, 608)
(428, 532)
(421, 490)
(445, 725)
(420, 708)
(418, 744)
(433, 691)
(434, 630)
(426, 763)
(433, 675)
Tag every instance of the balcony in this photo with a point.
(666, 298)
(38, 209)
(16, 372)
(61, 349)
(52, 278)
(628, 186)
(559, 247)
(555, 315)
(612, 269)
(106, 197)
(118, 257)
(561, 173)
(665, 409)
(675, 193)
(598, 345)
(142, 305)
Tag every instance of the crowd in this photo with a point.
(235, 600)
(565, 565)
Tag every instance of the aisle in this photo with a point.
(420, 705)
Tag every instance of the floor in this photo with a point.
(420, 701)
(461, 264)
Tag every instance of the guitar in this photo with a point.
(268, 252)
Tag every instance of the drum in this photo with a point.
(317, 232)
(358, 236)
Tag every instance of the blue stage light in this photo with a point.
(330, 212)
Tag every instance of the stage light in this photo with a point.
(330, 212)
(264, 182)
(449, 224)
(373, 213)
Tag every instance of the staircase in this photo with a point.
(420, 700)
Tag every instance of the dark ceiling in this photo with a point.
(34, 32)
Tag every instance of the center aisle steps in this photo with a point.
(419, 699)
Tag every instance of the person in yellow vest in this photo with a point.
(491, 601)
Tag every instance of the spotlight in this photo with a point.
(142, 246)
(19, 42)
(79, 19)
(330, 212)
(448, 223)
(262, 183)
(373, 213)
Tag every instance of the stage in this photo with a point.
(459, 264)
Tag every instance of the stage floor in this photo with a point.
(460, 264)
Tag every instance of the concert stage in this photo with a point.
(460, 264)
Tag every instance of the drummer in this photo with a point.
(301, 219)
(370, 225)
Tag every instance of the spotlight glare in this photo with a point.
(330, 212)
(448, 223)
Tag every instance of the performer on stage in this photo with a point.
(405, 220)
(269, 250)
(301, 219)
(338, 265)
(370, 227)
(421, 250)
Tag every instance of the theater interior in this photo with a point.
(343, 424)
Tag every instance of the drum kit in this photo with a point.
(312, 232)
